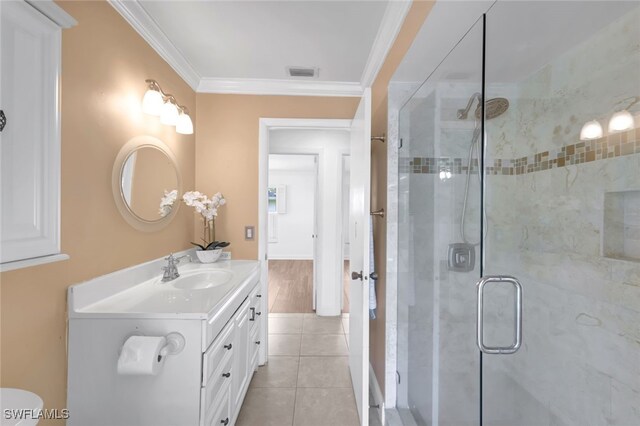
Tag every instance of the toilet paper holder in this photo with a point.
(175, 343)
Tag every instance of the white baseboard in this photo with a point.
(378, 397)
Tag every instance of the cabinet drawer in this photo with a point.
(218, 385)
(220, 347)
(255, 308)
(254, 350)
(219, 413)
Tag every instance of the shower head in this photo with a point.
(492, 107)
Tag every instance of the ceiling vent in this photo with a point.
(302, 72)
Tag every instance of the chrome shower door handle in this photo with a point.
(518, 315)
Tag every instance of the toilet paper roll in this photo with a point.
(141, 355)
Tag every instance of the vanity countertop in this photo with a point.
(199, 292)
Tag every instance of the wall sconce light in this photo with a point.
(156, 102)
(184, 125)
(621, 121)
(169, 112)
(591, 130)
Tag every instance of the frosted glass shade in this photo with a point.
(184, 125)
(152, 102)
(591, 130)
(169, 114)
(620, 121)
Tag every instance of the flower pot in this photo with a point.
(208, 256)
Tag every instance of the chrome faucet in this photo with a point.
(171, 270)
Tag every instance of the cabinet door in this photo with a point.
(30, 141)
(241, 356)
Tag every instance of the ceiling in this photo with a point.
(534, 32)
(231, 46)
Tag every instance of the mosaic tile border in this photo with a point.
(612, 146)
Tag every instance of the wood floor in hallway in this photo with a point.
(291, 286)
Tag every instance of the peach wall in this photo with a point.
(105, 63)
(227, 153)
(414, 20)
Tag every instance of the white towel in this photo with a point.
(373, 304)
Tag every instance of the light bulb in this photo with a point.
(184, 125)
(620, 121)
(591, 130)
(152, 102)
(169, 114)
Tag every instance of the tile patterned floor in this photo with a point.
(307, 380)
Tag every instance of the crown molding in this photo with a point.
(140, 20)
(143, 23)
(392, 21)
(54, 12)
(279, 87)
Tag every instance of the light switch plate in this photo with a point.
(249, 233)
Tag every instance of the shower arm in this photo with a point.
(463, 113)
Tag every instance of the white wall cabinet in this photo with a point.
(30, 58)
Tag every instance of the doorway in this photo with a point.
(307, 210)
(315, 339)
(292, 223)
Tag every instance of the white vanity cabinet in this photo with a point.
(202, 385)
(234, 355)
(30, 64)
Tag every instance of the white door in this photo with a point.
(316, 204)
(359, 222)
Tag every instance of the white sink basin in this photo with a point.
(18, 399)
(202, 280)
(194, 294)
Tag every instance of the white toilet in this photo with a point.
(18, 399)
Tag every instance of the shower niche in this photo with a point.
(621, 230)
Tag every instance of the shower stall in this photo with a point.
(519, 222)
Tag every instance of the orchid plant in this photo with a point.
(166, 202)
(207, 208)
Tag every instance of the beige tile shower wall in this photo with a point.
(581, 310)
(104, 65)
(591, 81)
(579, 361)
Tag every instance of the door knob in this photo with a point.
(356, 275)
(373, 276)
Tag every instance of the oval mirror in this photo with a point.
(144, 172)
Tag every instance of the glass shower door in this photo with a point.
(562, 202)
(439, 242)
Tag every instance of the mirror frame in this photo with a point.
(132, 219)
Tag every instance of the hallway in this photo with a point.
(291, 286)
(306, 381)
